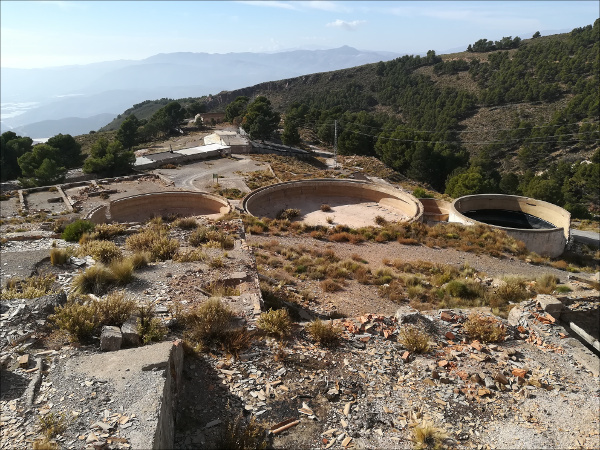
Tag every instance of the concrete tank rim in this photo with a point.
(540, 231)
(417, 217)
(224, 201)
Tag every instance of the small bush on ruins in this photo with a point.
(512, 290)
(426, 436)
(329, 285)
(140, 259)
(546, 284)
(32, 287)
(45, 444)
(324, 334)
(241, 434)
(207, 322)
(78, 318)
(154, 240)
(234, 341)
(150, 328)
(325, 207)
(106, 231)
(115, 308)
(414, 339)
(53, 424)
(75, 230)
(103, 251)
(484, 328)
(164, 248)
(287, 214)
(95, 280)
(186, 223)
(275, 323)
(59, 256)
(190, 256)
(563, 289)
(209, 235)
(380, 220)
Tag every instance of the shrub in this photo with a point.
(380, 220)
(287, 214)
(324, 334)
(208, 322)
(142, 241)
(240, 434)
(164, 249)
(512, 290)
(190, 256)
(235, 341)
(393, 291)
(53, 424)
(105, 231)
(115, 309)
(428, 437)
(421, 193)
(563, 289)
(59, 256)
(216, 263)
(122, 271)
(73, 231)
(484, 328)
(218, 289)
(414, 339)
(31, 287)
(275, 322)
(140, 259)
(77, 317)
(103, 251)
(330, 286)
(186, 223)
(96, 279)
(325, 207)
(546, 284)
(150, 328)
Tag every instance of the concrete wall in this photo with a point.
(138, 208)
(550, 242)
(384, 195)
(435, 210)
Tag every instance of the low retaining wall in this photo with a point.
(435, 210)
(261, 199)
(548, 242)
(138, 208)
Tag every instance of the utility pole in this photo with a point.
(335, 164)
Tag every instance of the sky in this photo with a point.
(56, 33)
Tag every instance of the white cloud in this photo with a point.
(325, 6)
(270, 4)
(349, 26)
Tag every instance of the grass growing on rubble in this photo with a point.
(241, 434)
(275, 323)
(324, 334)
(83, 316)
(31, 287)
(484, 328)
(426, 436)
(414, 339)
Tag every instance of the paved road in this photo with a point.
(586, 237)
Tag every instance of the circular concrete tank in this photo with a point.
(353, 203)
(542, 226)
(138, 208)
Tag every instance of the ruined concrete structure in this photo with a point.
(138, 208)
(550, 241)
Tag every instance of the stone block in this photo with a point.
(550, 304)
(129, 330)
(514, 316)
(110, 339)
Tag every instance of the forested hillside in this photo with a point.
(518, 117)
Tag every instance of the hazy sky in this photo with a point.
(52, 33)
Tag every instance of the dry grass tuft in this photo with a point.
(32, 287)
(103, 251)
(207, 322)
(241, 434)
(426, 436)
(414, 339)
(484, 328)
(59, 256)
(275, 323)
(329, 285)
(324, 334)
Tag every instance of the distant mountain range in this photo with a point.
(77, 99)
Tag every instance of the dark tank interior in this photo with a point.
(508, 219)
